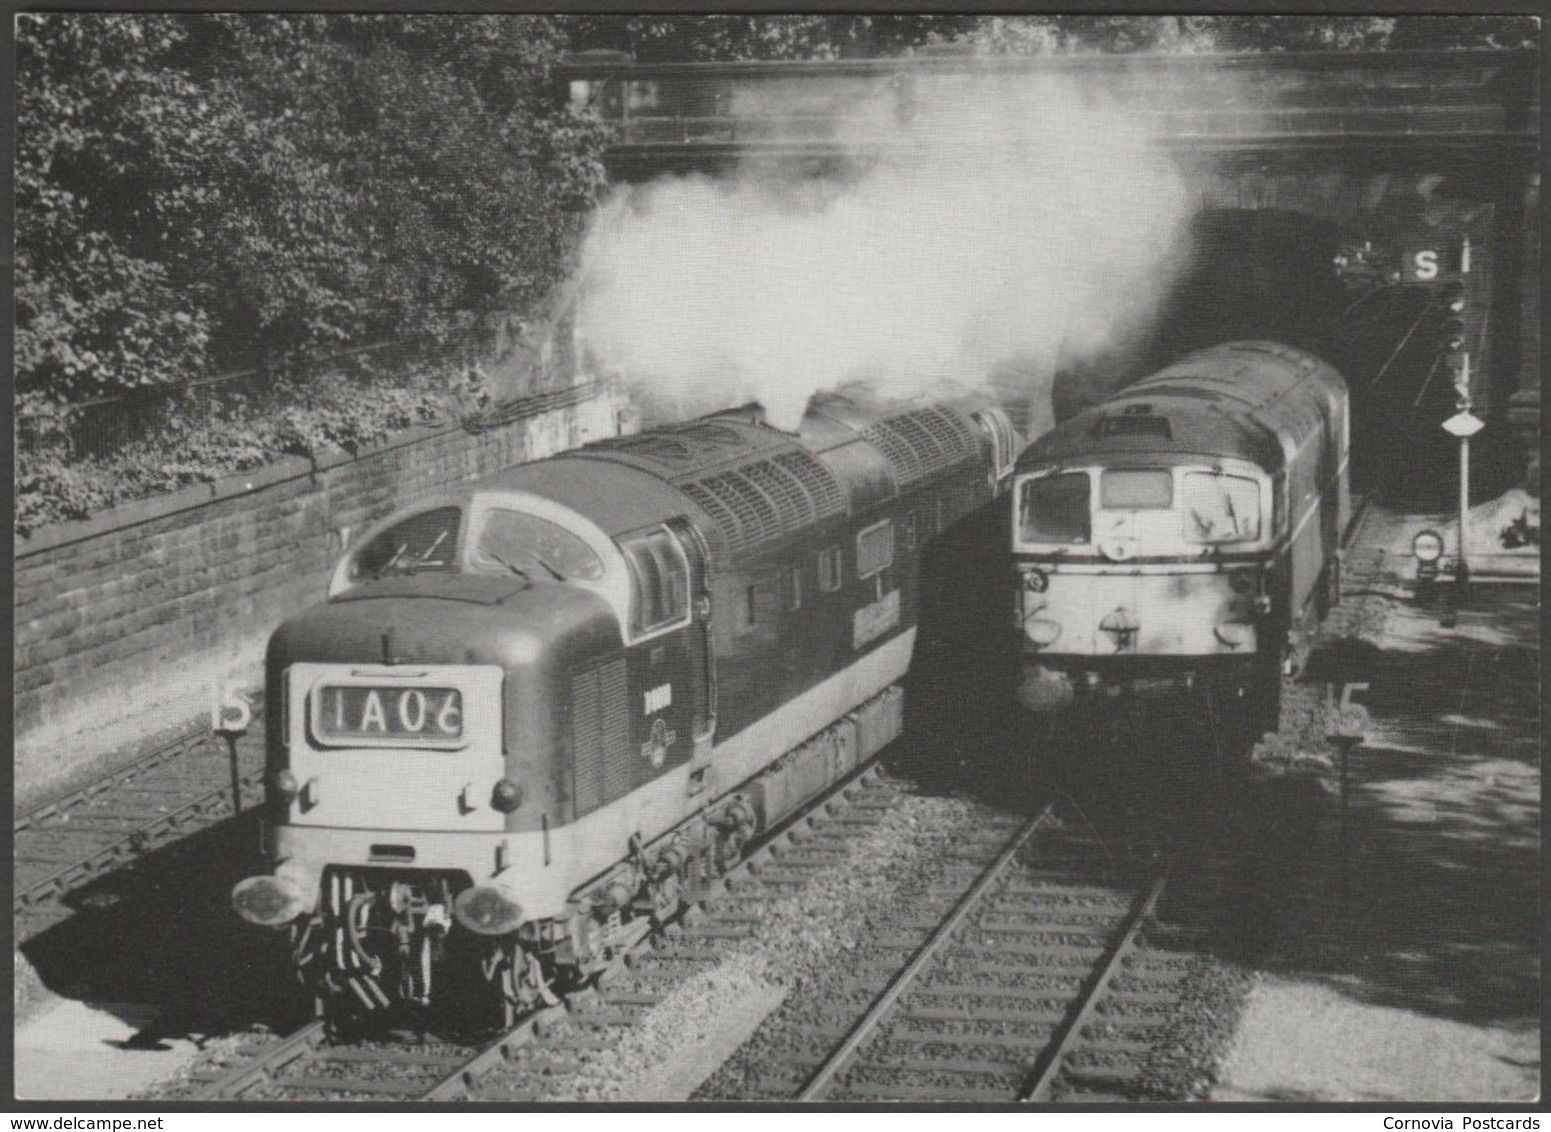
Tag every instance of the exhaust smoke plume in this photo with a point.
(1013, 222)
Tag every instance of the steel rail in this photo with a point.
(180, 743)
(867, 1025)
(1038, 1084)
(136, 843)
(262, 1066)
(464, 1081)
(199, 811)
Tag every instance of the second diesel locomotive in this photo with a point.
(1184, 528)
(535, 708)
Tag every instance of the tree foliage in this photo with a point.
(1047, 35)
(195, 191)
(108, 144)
(695, 38)
(686, 38)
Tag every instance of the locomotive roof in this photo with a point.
(753, 483)
(614, 496)
(1230, 401)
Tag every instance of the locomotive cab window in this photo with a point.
(1055, 508)
(534, 548)
(427, 541)
(1220, 508)
(1138, 490)
(659, 582)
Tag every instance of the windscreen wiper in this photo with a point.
(512, 566)
(556, 574)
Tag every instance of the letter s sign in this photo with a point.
(1425, 265)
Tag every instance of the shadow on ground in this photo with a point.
(1419, 882)
(162, 933)
(1415, 885)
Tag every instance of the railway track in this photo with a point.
(177, 787)
(1012, 994)
(1000, 984)
(520, 1065)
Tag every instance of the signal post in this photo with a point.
(1463, 424)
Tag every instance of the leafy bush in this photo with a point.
(205, 192)
(296, 418)
(197, 193)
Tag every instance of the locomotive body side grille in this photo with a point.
(600, 724)
(587, 742)
(791, 502)
(902, 457)
(618, 759)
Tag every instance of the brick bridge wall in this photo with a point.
(124, 619)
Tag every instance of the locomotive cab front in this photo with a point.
(1128, 566)
(423, 771)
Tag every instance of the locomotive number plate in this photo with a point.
(350, 714)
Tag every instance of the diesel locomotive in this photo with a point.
(536, 709)
(1185, 529)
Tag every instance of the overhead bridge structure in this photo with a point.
(1413, 155)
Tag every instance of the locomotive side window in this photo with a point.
(528, 545)
(1055, 509)
(875, 549)
(427, 541)
(829, 570)
(1150, 489)
(659, 581)
(1220, 508)
(996, 427)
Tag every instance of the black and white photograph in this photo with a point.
(784, 560)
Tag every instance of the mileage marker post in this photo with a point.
(230, 714)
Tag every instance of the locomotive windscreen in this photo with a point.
(1139, 489)
(427, 541)
(1221, 508)
(520, 542)
(1055, 508)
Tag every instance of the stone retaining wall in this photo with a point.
(124, 620)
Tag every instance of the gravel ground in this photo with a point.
(804, 936)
